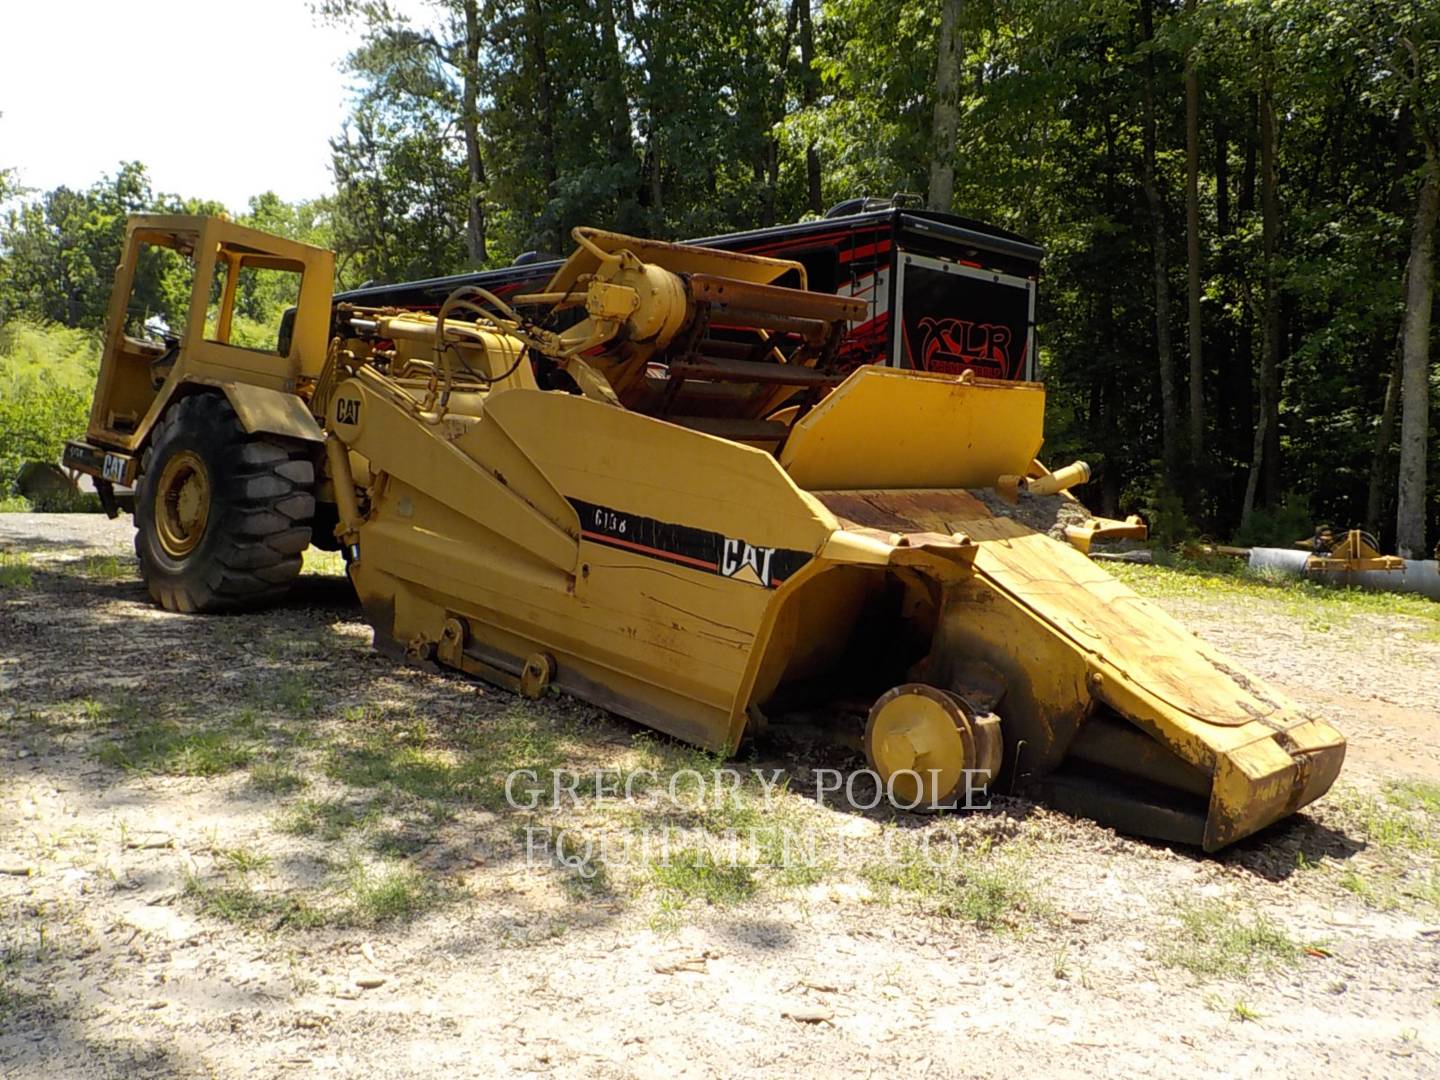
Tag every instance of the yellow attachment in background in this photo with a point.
(1097, 528)
(1071, 475)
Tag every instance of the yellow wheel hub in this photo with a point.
(920, 740)
(182, 504)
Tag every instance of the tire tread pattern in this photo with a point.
(263, 504)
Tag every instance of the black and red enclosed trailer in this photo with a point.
(945, 293)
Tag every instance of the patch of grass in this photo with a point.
(1238, 1010)
(1220, 577)
(13, 1000)
(1216, 941)
(1404, 818)
(15, 570)
(1243, 1013)
(104, 567)
(425, 774)
(326, 819)
(356, 714)
(1425, 887)
(516, 740)
(590, 882)
(170, 748)
(766, 832)
(1058, 967)
(1354, 882)
(358, 894)
(990, 891)
(774, 836)
(401, 842)
(399, 759)
(275, 779)
(547, 931)
(234, 899)
(1414, 795)
(291, 693)
(388, 892)
(243, 860)
(694, 874)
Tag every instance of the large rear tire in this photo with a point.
(221, 516)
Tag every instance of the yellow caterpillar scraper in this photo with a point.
(652, 486)
(680, 512)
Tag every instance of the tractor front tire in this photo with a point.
(221, 516)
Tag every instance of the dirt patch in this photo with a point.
(1375, 677)
(252, 847)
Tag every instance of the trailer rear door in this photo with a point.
(955, 317)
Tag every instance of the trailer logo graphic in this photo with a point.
(955, 345)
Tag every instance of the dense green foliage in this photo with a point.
(58, 254)
(683, 120)
(480, 130)
(47, 374)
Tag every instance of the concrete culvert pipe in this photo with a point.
(1421, 576)
(1288, 561)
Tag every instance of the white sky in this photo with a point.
(220, 99)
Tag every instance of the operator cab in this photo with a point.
(186, 308)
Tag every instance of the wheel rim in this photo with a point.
(182, 504)
(914, 734)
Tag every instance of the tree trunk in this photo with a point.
(1192, 236)
(615, 110)
(616, 103)
(772, 142)
(1410, 516)
(1384, 437)
(1109, 429)
(945, 120)
(1169, 407)
(1222, 358)
(1222, 179)
(654, 184)
(470, 125)
(1237, 384)
(654, 58)
(1267, 424)
(809, 91)
(553, 238)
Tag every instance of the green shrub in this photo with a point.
(1278, 526)
(47, 377)
(1163, 510)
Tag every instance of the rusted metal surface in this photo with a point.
(813, 331)
(734, 293)
(717, 369)
(917, 511)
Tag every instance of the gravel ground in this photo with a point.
(252, 847)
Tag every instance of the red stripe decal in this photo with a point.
(877, 248)
(601, 538)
